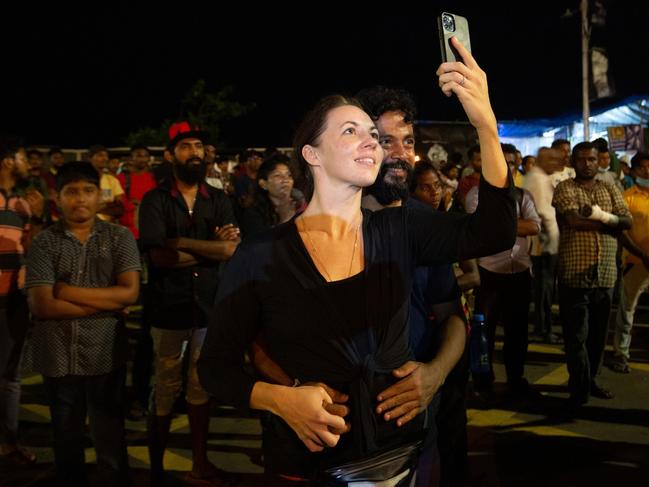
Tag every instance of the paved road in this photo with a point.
(514, 443)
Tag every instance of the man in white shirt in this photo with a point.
(565, 171)
(545, 245)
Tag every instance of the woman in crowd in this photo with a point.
(426, 186)
(273, 202)
(331, 288)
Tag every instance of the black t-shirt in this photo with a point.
(271, 284)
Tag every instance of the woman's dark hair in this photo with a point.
(262, 199)
(309, 131)
(72, 172)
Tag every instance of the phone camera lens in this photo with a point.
(448, 22)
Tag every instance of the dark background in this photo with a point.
(79, 77)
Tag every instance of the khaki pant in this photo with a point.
(169, 347)
(634, 282)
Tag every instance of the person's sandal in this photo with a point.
(619, 367)
(600, 392)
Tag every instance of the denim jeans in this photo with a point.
(14, 324)
(101, 397)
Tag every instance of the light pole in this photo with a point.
(585, 37)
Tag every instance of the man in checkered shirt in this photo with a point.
(591, 214)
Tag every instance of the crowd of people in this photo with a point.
(329, 289)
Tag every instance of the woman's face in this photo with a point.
(279, 182)
(429, 189)
(348, 150)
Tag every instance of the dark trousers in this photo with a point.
(143, 356)
(14, 324)
(505, 298)
(102, 398)
(584, 318)
(451, 426)
(142, 365)
(544, 268)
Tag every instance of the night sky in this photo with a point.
(75, 78)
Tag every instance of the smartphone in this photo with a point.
(451, 25)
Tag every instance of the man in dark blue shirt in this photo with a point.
(436, 328)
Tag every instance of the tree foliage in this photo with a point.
(201, 108)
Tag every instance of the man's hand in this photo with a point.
(337, 408)
(411, 395)
(36, 202)
(303, 409)
(227, 232)
(59, 290)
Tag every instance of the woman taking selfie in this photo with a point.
(330, 290)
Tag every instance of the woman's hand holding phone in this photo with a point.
(469, 83)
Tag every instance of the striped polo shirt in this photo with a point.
(14, 226)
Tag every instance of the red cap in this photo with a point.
(182, 130)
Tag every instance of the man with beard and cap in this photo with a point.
(437, 331)
(186, 229)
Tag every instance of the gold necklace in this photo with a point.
(317, 256)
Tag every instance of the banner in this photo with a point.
(601, 82)
(625, 137)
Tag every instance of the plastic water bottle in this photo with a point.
(479, 346)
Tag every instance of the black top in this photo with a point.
(255, 219)
(182, 298)
(431, 285)
(271, 284)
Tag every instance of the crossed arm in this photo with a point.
(186, 252)
(62, 301)
(573, 219)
